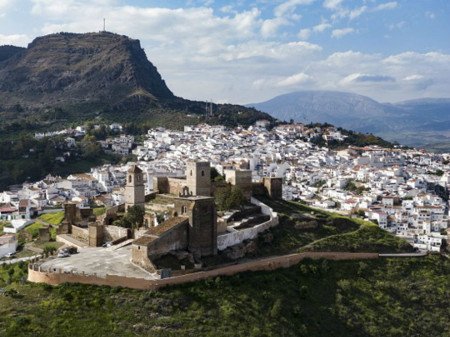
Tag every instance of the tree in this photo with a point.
(90, 148)
(133, 219)
(135, 215)
(229, 198)
(49, 249)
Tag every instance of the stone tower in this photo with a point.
(198, 178)
(134, 189)
(202, 230)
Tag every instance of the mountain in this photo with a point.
(410, 122)
(8, 51)
(71, 77)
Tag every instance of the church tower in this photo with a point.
(135, 188)
(198, 178)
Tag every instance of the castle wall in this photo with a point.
(139, 256)
(238, 236)
(203, 230)
(176, 185)
(241, 179)
(168, 185)
(95, 235)
(161, 184)
(259, 190)
(80, 234)
(113, 233)
(268, 264)
(70, 213)
(174, 239)
(274, 187)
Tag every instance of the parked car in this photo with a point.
(10, 255)
(107, 244)
(63, 254)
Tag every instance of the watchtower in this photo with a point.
(134, 188)
(198, 178)
(202, 229)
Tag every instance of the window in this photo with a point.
(191, 173)
(130, 178)
(203, 173)
(183, 210)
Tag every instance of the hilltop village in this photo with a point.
(404, 191)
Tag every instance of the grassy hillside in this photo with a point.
(385, 297)
(303, 228)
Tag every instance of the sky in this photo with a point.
(249, 51)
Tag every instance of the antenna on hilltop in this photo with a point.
(104, 24)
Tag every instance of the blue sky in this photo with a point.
(248, 51)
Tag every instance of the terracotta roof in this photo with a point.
(144, 240)
(7, 209)
(167, 225)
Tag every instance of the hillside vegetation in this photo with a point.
(304, 228)
(371, 298)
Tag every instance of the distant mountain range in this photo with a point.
(420, 122)
(70, 77)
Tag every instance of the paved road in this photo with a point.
(23, 259)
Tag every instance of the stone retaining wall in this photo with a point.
(267, 264)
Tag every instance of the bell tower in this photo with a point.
(135, 188)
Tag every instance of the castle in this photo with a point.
(190, 226)
(193, 225)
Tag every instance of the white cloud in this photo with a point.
(270, 27)
(239, 56)
(332, 4)
(296, 79)
(289, 6)
(387, 5)
(304, 34)
(413, 77)
(321, 27)
(14, 39)
(367, 78)
(353, 14)
(338, 33)
(5, 3)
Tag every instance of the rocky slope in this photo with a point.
(82, 76)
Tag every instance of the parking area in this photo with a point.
(100, 261)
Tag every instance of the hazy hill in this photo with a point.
(72, 77)
(406, 122)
